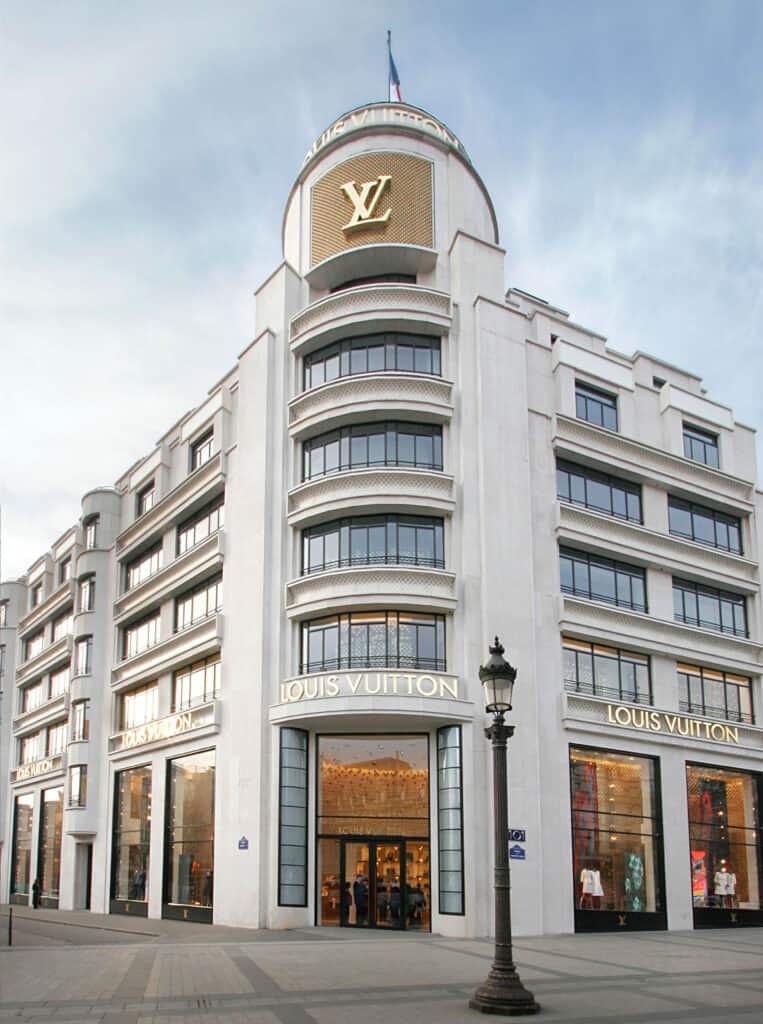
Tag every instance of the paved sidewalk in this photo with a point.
(164, 972)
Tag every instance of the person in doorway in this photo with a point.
(345, 904)
(394, 904)
(361, 899)
(36, 893)
(382, 904)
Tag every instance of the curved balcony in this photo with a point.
(393, 395)
(381, 307)
(376, 489)
(361, 586)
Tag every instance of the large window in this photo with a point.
(49, 856)
(32, 748)
(21, 869)
(705, 525)
(374, 640)
(78, 785)
(724, 844)
(190, 831)
(208, 520)
(706, 691)
(701, 446)
(56, 739)
(139, 706)
(708, 608)
(373, 540)
(34, 645)
(33, 696)
(132, 834)
(374, 444)
(602, 579)
(83, 656)
(616, 836)
(595, 406)
(197, 604)
(202, 449)
(144, 566)
(140, 636)
(196, 684)
(598, 491)
(59, 682)
(450, 825)
(376, 353)
(292, 818)
(606, 672)
(63, 625)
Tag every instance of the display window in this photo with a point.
(724, 845)
(189, 841)
(21, 867)
(131, 843)
(617, 848)
(49, 858)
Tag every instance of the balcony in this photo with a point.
(44, 611)
(50, 655)
(374, 307)
(404, 586)
(196, 641)
(44, 714)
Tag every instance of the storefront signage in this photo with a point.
(365, 202)
(164, 728)
(43, 767)
(392, 114)
(675, 725)
(369, 684)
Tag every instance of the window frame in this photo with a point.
(391, 620)
(90, 528)
(86, 592)
(86, 640)
(212, 604)
(390, 523)
(702, 590)
(389, 431)
(621, 657)
(717, 518)
(685, 671)
(594, 476)
(65, 569)
(390, 343)
(80, 798)
(145, 498)
(708, 441)
(205, 513)
(201, 450)
(619, 569)
(589, 394)
(212, 662)
(132, 628)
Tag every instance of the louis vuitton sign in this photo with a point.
(370, 684)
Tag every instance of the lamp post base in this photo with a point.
(503, 993)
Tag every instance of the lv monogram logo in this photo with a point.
(365, 201)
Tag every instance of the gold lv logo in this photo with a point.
(365, 201)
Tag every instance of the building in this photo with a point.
(405, 461)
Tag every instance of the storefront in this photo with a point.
(49, 853)
(130, 851)
(21, 865)
(189, 833)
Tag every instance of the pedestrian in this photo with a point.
(345, 904)
(36, 893)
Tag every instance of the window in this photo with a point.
(701, 446)
(59, 682)
(65, 570)
(595, 406)
(2, 662)
(196, 684)
(210, 519)
(36, 597)
(32, 748)
(373, 540)
(375, 353)
(145, 498)
(33, 696)
(56, 739)
(80, 721)
(708, 608)
(34, 645)
(63, 625)
(78, 785)
(705, 525)
(91, 531)
(450, 825)
(606, 672)
(705, 691)
(204, 600)
(292, 819)
(202, 450)
(373, 444)
(144, 566)
(131, 845)
(21, 850)
(374, 640)
(49, 855)
(83, 656)
(598, 491)
(602, 579)
(140, 636)
(3, 613)
(86, 593)
(139, 706)
(189, 831)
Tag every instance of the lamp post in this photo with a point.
(502, 992)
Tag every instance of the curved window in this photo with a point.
(373, 540)
(373, 444)
(374, 640)
(373, 353)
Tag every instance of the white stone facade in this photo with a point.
(505, 401)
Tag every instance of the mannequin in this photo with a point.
(724, 886)
(591, 887)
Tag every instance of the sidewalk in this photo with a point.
(138, 971)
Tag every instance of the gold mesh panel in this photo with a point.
(408, 196)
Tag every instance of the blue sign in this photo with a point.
(243, 843)
(517, 853)
(517, 835)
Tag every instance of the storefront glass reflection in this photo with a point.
(724, 845)
(22, 845)
(617, 834)
(132, 828)
(49, 862)
(190, 828)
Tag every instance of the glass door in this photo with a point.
(356, 888)
(387, 884)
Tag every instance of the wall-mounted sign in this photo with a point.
(517, 853)
(674, 725)
(369, 684)
(517, 835)
(42, 767)
(163, 728)
(243, 843)
(370, 199)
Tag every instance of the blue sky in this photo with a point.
(148, 150)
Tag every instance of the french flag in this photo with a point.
(394, 78)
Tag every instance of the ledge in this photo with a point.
(171, 653)
(407, 587)
(369, 396)
(379, 489)
(631, 541)
(575, 437)
(382, 307)
(53, 603)
(46, 659)
(370, 260)
(42, 715)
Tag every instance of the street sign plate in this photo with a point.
(517, 835)
(517, 853)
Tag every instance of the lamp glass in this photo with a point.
(498, 692)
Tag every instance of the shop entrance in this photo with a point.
(383, 883)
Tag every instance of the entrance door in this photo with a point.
(384, 884)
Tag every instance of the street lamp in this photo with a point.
(502, 992)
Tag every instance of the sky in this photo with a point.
(148, 150)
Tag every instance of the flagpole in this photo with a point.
(389, 54)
